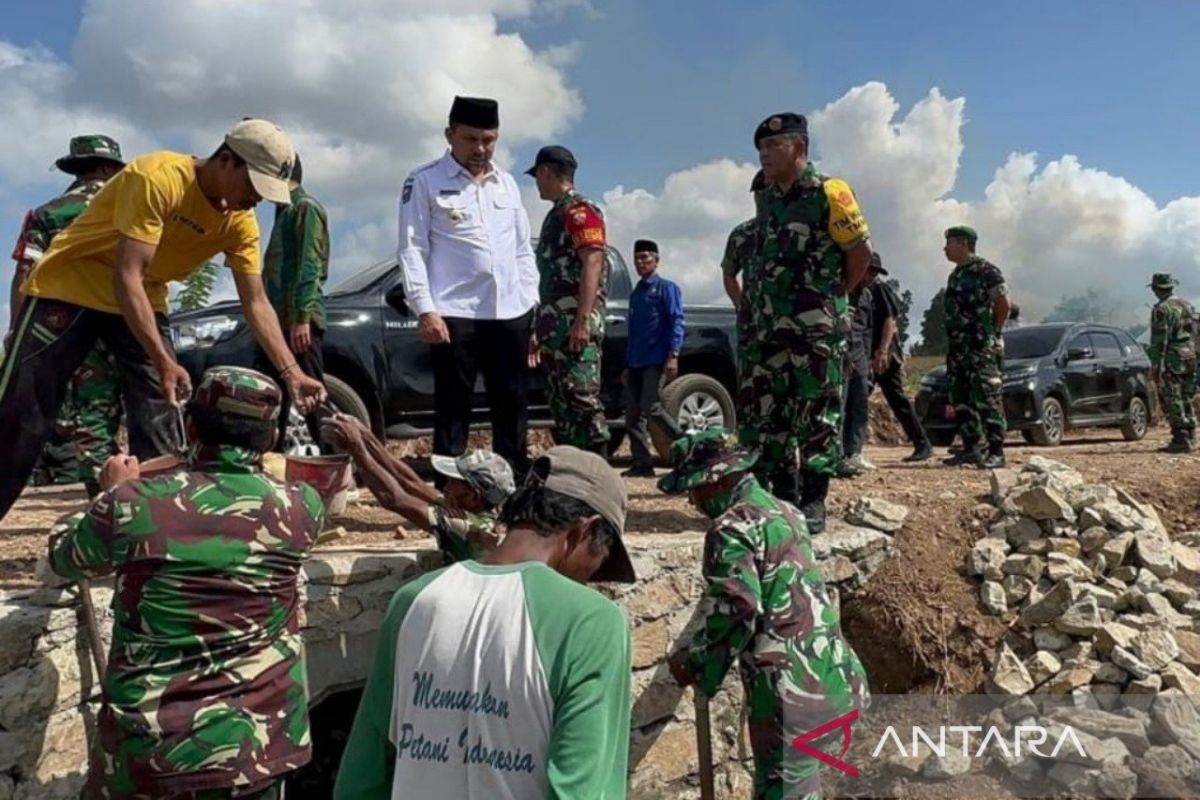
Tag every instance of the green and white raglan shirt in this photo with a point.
(494, 683)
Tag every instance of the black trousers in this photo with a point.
(52, 339)
(891, 382)
(312, 364)
(642, 405)
(500, 349)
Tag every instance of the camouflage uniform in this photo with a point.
(1173, 353)
(766, 606)
(466, 535)
(205, 690)
(740, 259)
(976, 353)
(463, 535)
(573, 224)
(797, 308)
(86, 429)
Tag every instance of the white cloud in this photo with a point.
(1055, 230)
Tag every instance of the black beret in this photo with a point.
(645, 246)
(776, 124)
(477, 112)
(553, 154)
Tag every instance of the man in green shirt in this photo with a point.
(505, 678)
(294, 271)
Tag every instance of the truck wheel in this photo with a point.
(696, 402)
(1137, 420)
(1049, 432)
(296, 438)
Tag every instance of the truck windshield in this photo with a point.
(1031, 342)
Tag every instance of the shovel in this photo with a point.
(704, 745)
(92, 627)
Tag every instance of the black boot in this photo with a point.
(785, 484)
(921, 452)
(967, 457)
(994, 459)
(1180, 443)
(814, 488)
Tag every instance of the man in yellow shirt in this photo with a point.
(105, 278)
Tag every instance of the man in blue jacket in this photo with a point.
(652, 355)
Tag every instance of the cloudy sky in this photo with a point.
(1064, 132)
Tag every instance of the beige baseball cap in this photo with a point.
(268, 153)
(588, 478)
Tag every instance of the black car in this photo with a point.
(1057, 377)
(380, 371)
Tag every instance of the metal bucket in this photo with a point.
(329, 475)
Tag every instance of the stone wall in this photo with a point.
(49, 695)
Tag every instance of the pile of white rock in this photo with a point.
(1105, 614)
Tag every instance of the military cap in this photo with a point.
(89, 148)
(1163, 280)
(962, 232)
(237, 392)
(759, 182)
(482, 470)
(553, 154)
(645, 246)
(589, 479)
(477, 112)
(776, 124)
(705, 457)
(876, 264)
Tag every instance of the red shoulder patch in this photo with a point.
(585, 226)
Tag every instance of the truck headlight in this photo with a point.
(1020, 376)
(200, 333)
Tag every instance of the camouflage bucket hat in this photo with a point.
(705, 457)
(1162, 280)
(88, 148)
(237, 392)
(482, 470)
(962, 232)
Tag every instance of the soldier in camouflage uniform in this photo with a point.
(295, 267)
(738, 264)
(463, 516)
(813, 246)
(569, 332)
(976, 310)
(767, 607)
(86, 428)
(1173, 330)
(205, 695)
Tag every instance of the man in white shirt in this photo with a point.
(470, 276)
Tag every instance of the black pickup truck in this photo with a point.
(380, 371)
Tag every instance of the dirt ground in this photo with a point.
(918, 626)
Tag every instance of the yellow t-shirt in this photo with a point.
(156, 200)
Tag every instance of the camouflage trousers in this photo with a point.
(976, 391)
(85, 432)
(1177, 390)
(573, 389)
(781, 772)
(790, 405)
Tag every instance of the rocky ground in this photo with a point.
(920, 625)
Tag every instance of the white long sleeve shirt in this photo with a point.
(464, 246)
